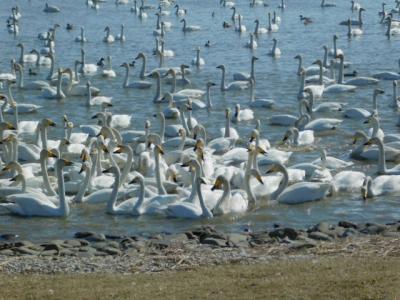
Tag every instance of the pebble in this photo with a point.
(214, 242)
(316, 235)
(281, 233)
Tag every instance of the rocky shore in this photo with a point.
(89, 252)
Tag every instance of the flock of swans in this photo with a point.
(179, 171)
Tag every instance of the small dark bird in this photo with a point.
(226, 25)
(207, 44)
(31, 72)
(352, 74)
(213, 14)
(306, 20)
(132, 64)
(69, 26)
(100, 63)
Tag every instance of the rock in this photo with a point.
(26, 244)
(74, 243)
(190, 235)
(178, 238)
(350, 232)
(391, 234)
(304, 244)
(322, 227)
(346, 224)
(99, 245)
(113, 244)
(316, 235)
(49, 253)
(260, 239)
(237, 240)
(373, 228)
(83, 234)
(25, 251)
(7, 252)
(214, 242)
(114, 237)
(51, 246)
(159, 245)
(66, 252)
(111, 251)
(284, 232)
(87, 249)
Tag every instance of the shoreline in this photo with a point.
(90, 252)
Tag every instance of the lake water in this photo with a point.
(276, 79)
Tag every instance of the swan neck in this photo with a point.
(114, 193)
(45, 175)
(127, 167)
(81, 193)
(160, 187)
(64, 207)
(283, 184)
(126, 79)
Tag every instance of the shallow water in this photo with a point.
(276, 79)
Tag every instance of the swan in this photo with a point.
(323, 107)
(189, 28)
(139, 84)
(299, 138)
(240, 28)
(225, 3)
(242, 114)
(179, 11)
(355, 6)
(87, 69)
(387, 75)
(275, 51)
(311, 70)
(258, 29)
(98, 100)
(282, 5)
(320, 124)
(317, 90)
(342, 87)
(198, 61)
(109, 38)
(252, 44)
(301, 192)
(109, 72)
(331, 162)
(171, 112)
(29, 58)
(353, 32)
(76, 89)
(41, 60)
(376, 130)
(382, 170)
(81, 38)
(348, 181)
(381, 185)
(286, 119)
(361, 113)
(29, 205)
(335, 51)
(227, 131)
(265, 103)
(51, 8)
(142, 14)
(121, 36)
(194, 206)
(51, 93)
(323, 4)
(272, 27)
(33, 85)
(391, 31)
(242, 76)
(358, 22)
(234, 85)
(229, 202)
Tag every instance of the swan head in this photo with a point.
(371, 120)
(257, 175)
(199, 144)
(112, 170)
(84, 167)
(364, 188)
(138, 178)
(222, 67)
(340, 56)
(124, 65)
(378, 92)
(210, 83)
(48, 122)
(155, 74)
(18, 178)
(159, 149)
(298, 56)
(317, 62)
(183, 21)
(256, 21)
(373, 141)
(254, 134)
(20, 45)
(61, 163)
(84, 155)
(107, 28)
(219, 181)
(275, 167)
(7, 125)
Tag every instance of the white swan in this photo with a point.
(121, 36)
(189, 28)
(228, 131)
(258, 29)
(353, 31)
(51, 8)
(381, 185)
(387, 75)
(275, 51)
(361, 113)
(109, 38)
(348, 181)
(272, 27)
(341, 87)
(25, 58)
(108, 72)
(241, 28)
(265, 103)
(242, 114)
(81, 38)
(335, 51)
(139, 84)
(87, 69)
(51, 93)
(198, 61)
(252, 44)
(299, 192)
(242, 76)
(299, 138)
(30, 205)
(98, 100)
(234, 85)
(32, 85)
(382, 170)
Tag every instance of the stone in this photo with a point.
(284, 232)
(7, 252)
(73, 243)
(190, 235)
(113, 244)
(237, 240)
(90, 236)
(27, 244)
(316, 235)
(66, 252)
(24, 251)
(350, 232)
(372, 228)
(111, 251)
(51, 246)
(214, 242)
(346, 224)
(114, 237)
(260, 238)
(99, 245)
(49, 253)
(304, 244)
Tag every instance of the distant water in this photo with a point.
(276, 79)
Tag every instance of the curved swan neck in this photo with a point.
(226, 195)
(143, 69)
(140, 201)
(160, 187)
(64, 207)
(205, 211)
(45, 175)
(126, 79)
(341, 70)
(128, 165)
(81, 193)
(382, 158)
(158, 89)
(208, 96)
(113, 198)
(300, 64)
(284, 182)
